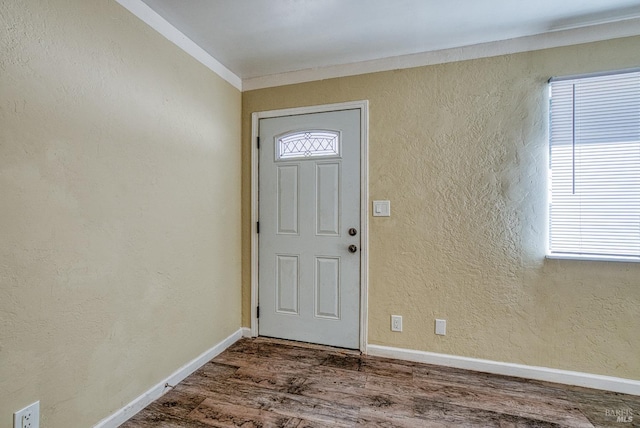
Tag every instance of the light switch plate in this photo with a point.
(381, 208)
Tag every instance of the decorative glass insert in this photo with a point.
(306, 144)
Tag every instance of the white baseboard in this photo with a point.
(125, 413)
(246, 332)
(587, 380)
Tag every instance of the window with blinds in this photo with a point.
(594, 161)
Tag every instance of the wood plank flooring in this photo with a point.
(274, 383)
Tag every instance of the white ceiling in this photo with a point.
(255, 38)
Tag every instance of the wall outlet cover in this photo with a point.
(29, 417)
(396, 323)
(441, 327)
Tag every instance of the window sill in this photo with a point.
(587, 257)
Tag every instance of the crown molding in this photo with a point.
(566, 37)
(552, 39)
(171, 33)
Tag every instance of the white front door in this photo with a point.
(309, 240)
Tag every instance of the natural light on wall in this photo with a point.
(594, 161)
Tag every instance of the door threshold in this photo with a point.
(309, 345)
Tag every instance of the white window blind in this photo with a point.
(594, 142)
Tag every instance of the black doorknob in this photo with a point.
(353, 248)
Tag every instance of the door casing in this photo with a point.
(363, 106)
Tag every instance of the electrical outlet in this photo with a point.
(29, 417)
(396, 323)
(441, 327)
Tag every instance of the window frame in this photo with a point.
(559, 255)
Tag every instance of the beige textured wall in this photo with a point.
(460, 149)
(120, 209)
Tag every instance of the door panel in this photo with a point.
(309, 197)
(287, 199)
(328, 199)
(327, 286)
(287, 284)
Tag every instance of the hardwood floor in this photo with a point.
(274, 383)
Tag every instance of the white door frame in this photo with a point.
(363, 106)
